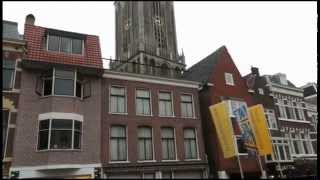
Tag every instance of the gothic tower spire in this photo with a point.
(146, 34)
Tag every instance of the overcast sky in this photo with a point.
(273, 36)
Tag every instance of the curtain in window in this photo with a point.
(143, 102)
(117, 99)
(165, 104)
(190, 144)
(186, 106)
(145, 143)
(118, 145)
(168, 149)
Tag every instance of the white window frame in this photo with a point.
(172, 104)
(150, 101)
(59, 36)
(175, 145)
(152, 141)
(193, 109)
(127, 145)
(271, 112)
(275, 156)
(125, 99)
(261, 91)
(13, 80)
(229, 79)
(197, 145)
(66, 117)
(6, 159)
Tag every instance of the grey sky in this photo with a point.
(274, 36)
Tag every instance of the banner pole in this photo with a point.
(263, 174)
(238, 156)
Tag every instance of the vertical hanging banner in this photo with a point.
(258, 123)
(222, 122)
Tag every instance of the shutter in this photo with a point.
(86, 89)
(39, 84)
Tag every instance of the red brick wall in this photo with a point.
(34, 38)
(132, 121)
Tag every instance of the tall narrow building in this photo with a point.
(146, 41)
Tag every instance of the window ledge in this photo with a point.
(173, 160)
(65, 96)
(11, 91)
(61, 150)
(145, 115)
(118, 162)
(167, 116)
(188, 117)
(293, 120)
(243, 154)
(115, 113)
(192, 159)
(146, 161)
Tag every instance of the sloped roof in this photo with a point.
(202, 70)
(10, 30)
(274, 79)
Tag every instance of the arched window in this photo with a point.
(164, 69)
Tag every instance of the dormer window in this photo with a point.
(64, 44)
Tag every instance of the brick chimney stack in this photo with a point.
(30, 19)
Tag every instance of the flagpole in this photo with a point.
(263, 174)
(238, 157)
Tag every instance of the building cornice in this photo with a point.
(150, 79)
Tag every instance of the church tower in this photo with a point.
(146, 39)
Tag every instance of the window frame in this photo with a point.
(269, 112)
(276, 145)
(196, 144)
(150, 101)
(7, 134)
(152, 142)
(125, 100)
(59, 51)
(49, 135)
(172, 103)
(192, 105)
(13, 79)
(175, 145)
(127, 144)
(230, 75)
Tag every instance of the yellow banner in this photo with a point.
(259, 126)
(222, 123)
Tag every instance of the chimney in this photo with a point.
(30, 19)
(255, 70)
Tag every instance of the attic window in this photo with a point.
(229, 79)
(64, 44)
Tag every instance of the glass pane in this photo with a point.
(64, 87)
(171, 149)
(168, 109)
(43, 140)
(146, 106)
(149, 149)
(167, 133)
(144, 132)
(61, 124)
(76, 46)
(78, 89)
(7, 78)
(186, 98)
(118, 131)
(165, 96)
(189, 133)
(141, 150)
(117, 91)
(64, 74)
(9, 146)
(8, 64)
(44, 124)
(65, 45)
(187, 149)
(114, 149)
(113, 104)
(77, 125)
(121, 105)
(60, 139)
(193, 149)
(5, 116)
(77, 140)
(161, 108)
(165, 149)
(53, 43)
(47, 87)
(122, 149)
(139, 106)
(143, 93)
(281, 153)
(189, 110)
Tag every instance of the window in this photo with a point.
(296, 144)
(5, 122)
(229, 79)
(143, 102)
(59, 134)
(240, 144)
(117, 100)
(271, 119)
(281, 150)
(118, 143)
(306, 142)
(186, 105)
(8, 68)
(64, 44)
(168, 144)
(290, 110)
(238, 109)
(62, 82)
(165, 104)
(145, 149)
(261, 91)
(190, 144)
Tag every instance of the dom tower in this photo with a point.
(146, 41)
